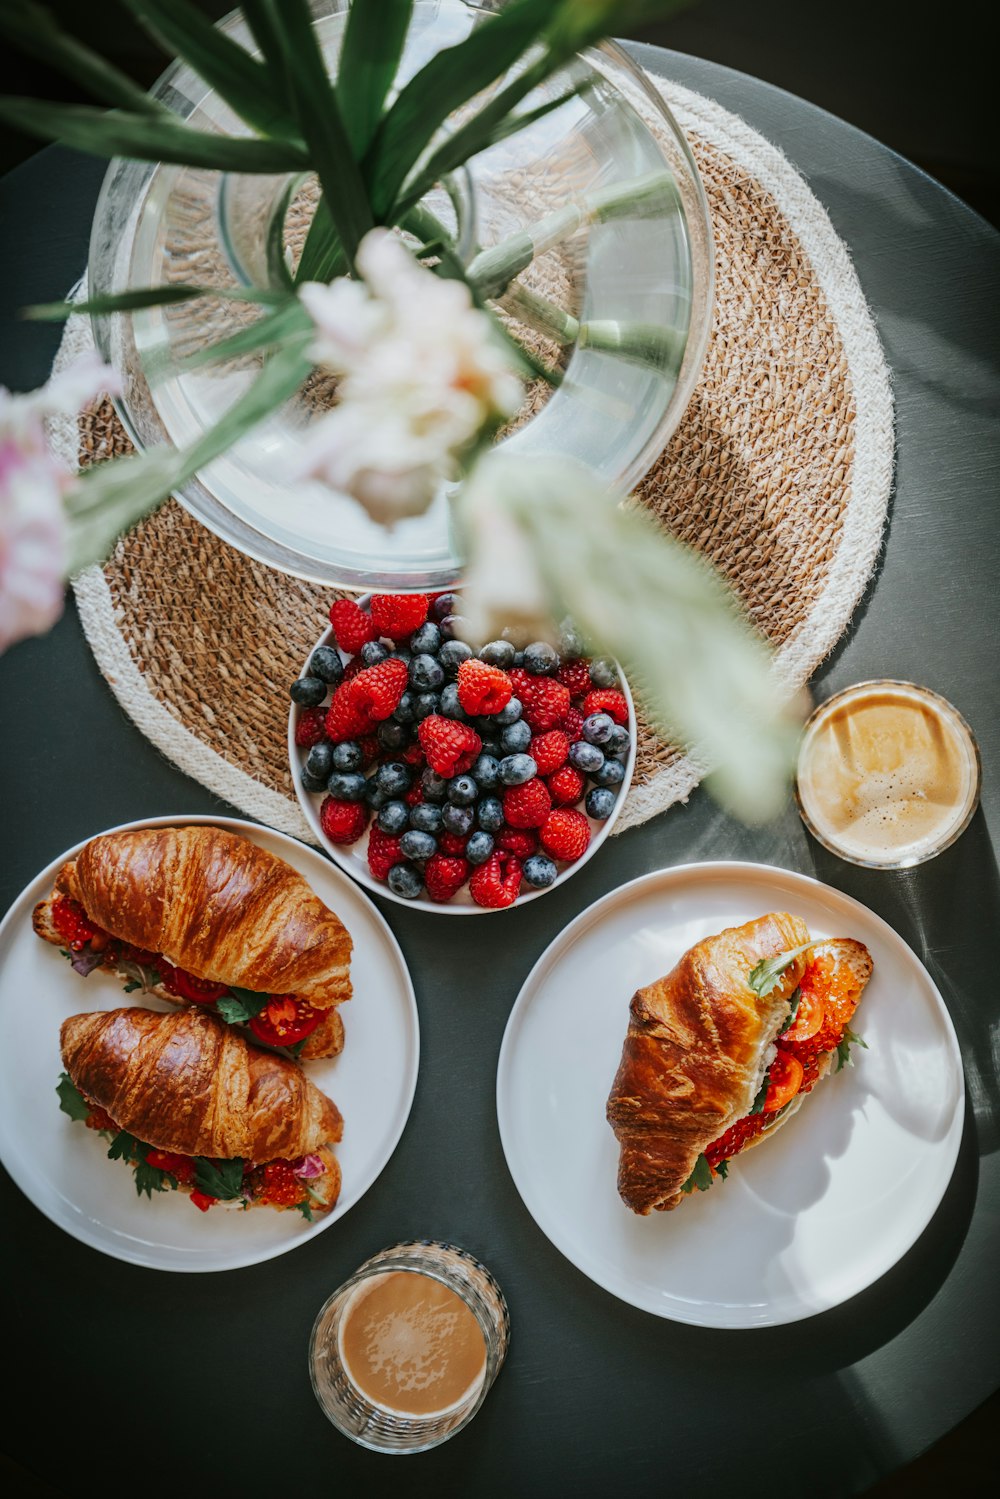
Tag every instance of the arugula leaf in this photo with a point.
(221, 1179)
(794, 1002)
(71, 1100)
(306, 1210)
(758, 1103)
(848, 1039)
(701, 1176)
(765, 975)
(722, 1169)
(239, 1005)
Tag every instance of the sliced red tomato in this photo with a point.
(285, 1020)
(187, 986)
(784, 1079)
(808, 1018)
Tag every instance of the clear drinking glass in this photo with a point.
(377, 1424)
(888, 774)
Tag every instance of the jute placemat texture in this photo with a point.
(780, 472)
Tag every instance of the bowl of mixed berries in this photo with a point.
(453, 779)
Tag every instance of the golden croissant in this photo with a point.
(723, 1050)
(193, 914)
(194, 1104)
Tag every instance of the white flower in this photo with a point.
(503, 590)
(424, 378)
(32, 488)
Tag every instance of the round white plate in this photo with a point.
(803, 1223)
(63, 1167)
(353, 857)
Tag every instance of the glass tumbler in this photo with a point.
(350, 1349)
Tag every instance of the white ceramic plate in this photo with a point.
(800, 1225)
(353, 857)
(63, 1168)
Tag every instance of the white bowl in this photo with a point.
(353, 857)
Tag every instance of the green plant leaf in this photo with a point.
(114, 495)
(767, 974)
(243, 82)
(147, 138)
(322, 255)
(149, 296)
(285, 322)
(36, 32)
(369, 59)
(71, 1100)
(316, 108)
(701, 1177)
(222, 1179)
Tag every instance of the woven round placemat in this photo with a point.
(780, 472)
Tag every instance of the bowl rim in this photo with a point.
(358, 870)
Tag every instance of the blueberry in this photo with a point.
(509, 714)
(603, 672)
(311, 782)
(599, 803)
(402, 654)
(586, 756)
(326, 664)
(308, 692)
(375, 796)
(489, 814)
(347, 785)
(319, 761)
(518, 658)
(427, 640)
(463, 791)
(394, 817)
(450, 705)
(426, 817)
(571, 645)
(443, 605)
(452, 654)
(405, 708)
(516, 737)
(373, 651)
(539, 871)
(424, 704)
(541, 659)
(348, 756)
(619, 741)
(498, 653)
(457, 819)
(516, 769)
(611, 773)
(404, 880)
(490, 745)
(453, 627)
(393, 736)
(486, 772)
(417, 845)
(479, 848)
(598, 727)
(393, 777)
(426, 674)
(434, 787)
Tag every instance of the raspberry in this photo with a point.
(452, 843)
(606, 700)
(343, 720)
(546, 703)
(444, 875)
(343, 822)
(413, 754)
(576, 676)
(415, 795)
(522, 842)
(397, 615)
(451, 747)
(572, 725)
(566, 785)
(377, 690)
(309, 729)
(383, 852)
(483, 689)
(352, 627)
(496, 882)
(549, 751)
(353, 667)
(565, 834)
(527, 806)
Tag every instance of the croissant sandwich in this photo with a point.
(189, 1102)
(723, 1050)
(199, 915)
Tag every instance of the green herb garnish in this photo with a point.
(221, 1179)
(758, 1102)
(701, 1176)
(240, 1005)
(765, 975)
(794, 1003)
(71, 1100)
(848, 1039)
(722, 1169)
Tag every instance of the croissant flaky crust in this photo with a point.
(186, 1082)
(216, 905)
(695, 1055)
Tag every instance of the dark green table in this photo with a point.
(123, 1380)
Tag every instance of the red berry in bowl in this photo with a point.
(565, 834)
(495, 884)
(343, 822)
(483, 689)
(527, 806)
(451, 747)
(352, 627)
(397, 615)
(309, 729)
